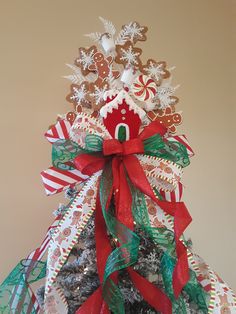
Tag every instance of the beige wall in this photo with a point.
(38, 37)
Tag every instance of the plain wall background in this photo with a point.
(37, 38)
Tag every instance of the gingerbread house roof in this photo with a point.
(118, 98)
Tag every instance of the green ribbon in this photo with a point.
(123, 256)
(193, 289)
(172, 151)
(161, 236)
(63, 154)
(16, 287)
(64, 151)
(164, 238)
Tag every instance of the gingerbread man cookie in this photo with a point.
(225, 305)
(51, 304)
(102, 66)
(76, 217)
(64, 235)
(55, 256)
(168, 117)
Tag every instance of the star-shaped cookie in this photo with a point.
(85, 59)
(135, 32)
(79, 95)
(157, 70)
(128, 55)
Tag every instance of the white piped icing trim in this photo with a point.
(121, 95)
(110, 93)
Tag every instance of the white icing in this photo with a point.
(121, 95)
(110, 93)
(127, 131)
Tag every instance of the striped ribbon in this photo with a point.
(183, 140)
(23, 299)
(58, 131)
(56, 180)
(69, 229)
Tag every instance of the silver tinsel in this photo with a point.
(78, 278)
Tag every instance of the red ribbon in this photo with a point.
(95, 303)
(114, 147)
(123, 159)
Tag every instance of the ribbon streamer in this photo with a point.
(16, 293)
(78, 162)
(89, 164)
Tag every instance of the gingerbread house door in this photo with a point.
(122, 132)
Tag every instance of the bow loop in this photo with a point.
(89, 164)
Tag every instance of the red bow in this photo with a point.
(124, 160)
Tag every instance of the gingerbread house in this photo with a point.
(121, 116)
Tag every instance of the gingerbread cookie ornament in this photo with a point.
(134, 32)
(79, 95)
(85, 59)
(102, 66)
(128, 55)
(168, 117)
(97, 92)
(156, 70)
(165, 96)
(90, 111)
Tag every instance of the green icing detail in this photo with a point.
(122, 133)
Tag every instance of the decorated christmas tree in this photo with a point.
(118, 246)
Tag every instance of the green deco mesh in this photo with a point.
(15, 294)
(124, 255)
(64, 151)
(173, 151)
(161, 236)
(195, 292)
(165, 238)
